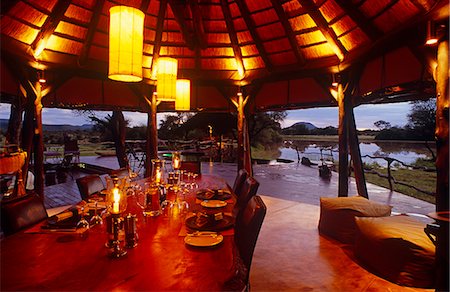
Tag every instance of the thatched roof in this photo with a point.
(287, 49)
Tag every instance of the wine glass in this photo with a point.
(96, 219)
(83, 223)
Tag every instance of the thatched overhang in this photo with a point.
(285, 50)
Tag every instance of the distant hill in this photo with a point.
(299, 128)
(52, 128)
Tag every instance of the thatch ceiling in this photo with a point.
(286, 49)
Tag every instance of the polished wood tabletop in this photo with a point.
(160, 261)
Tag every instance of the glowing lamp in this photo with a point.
(116, 200)
(167, 79)
(431, 34)
(126, 39)
(183, 97)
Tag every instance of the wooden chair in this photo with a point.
(239, 181)
(89, 185)
(21, 212)
(246, 231)
(71, 147)
(248, 190)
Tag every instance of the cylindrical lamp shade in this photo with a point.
(126, 40)
(183, 100)
(167, 79)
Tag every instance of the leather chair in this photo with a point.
(21, 212)
(239, 181)
(246, 232)
(89, 185)
(248, 190)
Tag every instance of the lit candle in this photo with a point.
(176, 163)
(116, 201)
(158, 175)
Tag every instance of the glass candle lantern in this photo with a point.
(157, 171)
(176, 160)
(116, 199)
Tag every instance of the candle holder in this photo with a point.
(131, 236)
(116, 249)
(158, 171)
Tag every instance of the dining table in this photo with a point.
(162, 260)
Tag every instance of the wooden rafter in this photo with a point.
(177, 9)
(251, 28)
(233, 36)
(158, 37)
(422, 5)
(199, 29)
(49, 27)
(91, 31)
(288, 29)
(144, 5)
(322, 24)
(392, 3)
(361, 21)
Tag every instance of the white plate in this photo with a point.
(203, 239)
(213, 203)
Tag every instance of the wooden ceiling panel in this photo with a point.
(265, 16)
(28, 14)
(208, 97)
(57, 43)
(244, 37)
(149, 35)
(18, 30)
(153, 8)
(253, 63)
(103, 24)
(78, 13)
(234, 9)
(306, 90)
(218, 63)
(311, 38)
(301, 22)
(239, 24)
(176, 51)
(98, 53)
(73, 92)
(271, 31)
(211, 12)
(256, 5)
(331, 10)
(100, 39)
(186, 63)
(71, 30)
(218, 38)
(148, 48)
(370, 8)
(353, 39)
(150, 21)
(371, 76)
(249, 50)
(292, 8)
(218, 52)
(343, 25)
(318, 51)
(283, 58)
(120, 95)
(402, 67)
(398, 14)
(45, 4)
(272, 93)
(215, 26)
(85, 3)
(276, 45)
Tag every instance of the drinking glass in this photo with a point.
(149, 200)
(96, 219)
(83, 223)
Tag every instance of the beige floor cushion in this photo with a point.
(337, 215)
(397, 249)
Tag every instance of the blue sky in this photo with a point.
(365, 115)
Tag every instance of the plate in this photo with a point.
(213, 203)
(223, 224)
(213, 194)
(201, 239)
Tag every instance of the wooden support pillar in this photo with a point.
(152, 135)
(343, 145)
(243, 155)
(38, 143)
(247, 149)
(15, 122)
(356, 153)
(119, 132)
(442, 164)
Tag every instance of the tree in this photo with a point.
(422, 119)
(382, 125)
(265, 127)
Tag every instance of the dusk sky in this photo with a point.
(365, 116)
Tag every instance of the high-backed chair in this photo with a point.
(21, 212)
(89, 185)
(71, 147)
(248, 190)
(246, 231)
(239, 181)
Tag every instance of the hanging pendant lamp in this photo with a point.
(126, 39)
(183, 97)
(167, 79)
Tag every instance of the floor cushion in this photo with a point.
(337, 215)
(397, 249)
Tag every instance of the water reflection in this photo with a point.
(408, 152)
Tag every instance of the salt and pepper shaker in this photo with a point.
(131, 236)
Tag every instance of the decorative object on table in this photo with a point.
(203, 239)
(215, 221)
(213, 203)
(131, 236)
(158, 171)
(149, 199)
(209, 194)
(176, 161)
(83, 223)
(116, 204)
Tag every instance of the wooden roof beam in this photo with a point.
(322, 24)
(144, 5)
(49, 27)
(199, 29)
(288, 29)
(91, 31)
(361, 21)
(233, 37)
(251, 27)
(177, 9)
(158, 37)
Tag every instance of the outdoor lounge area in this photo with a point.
(71, 222)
